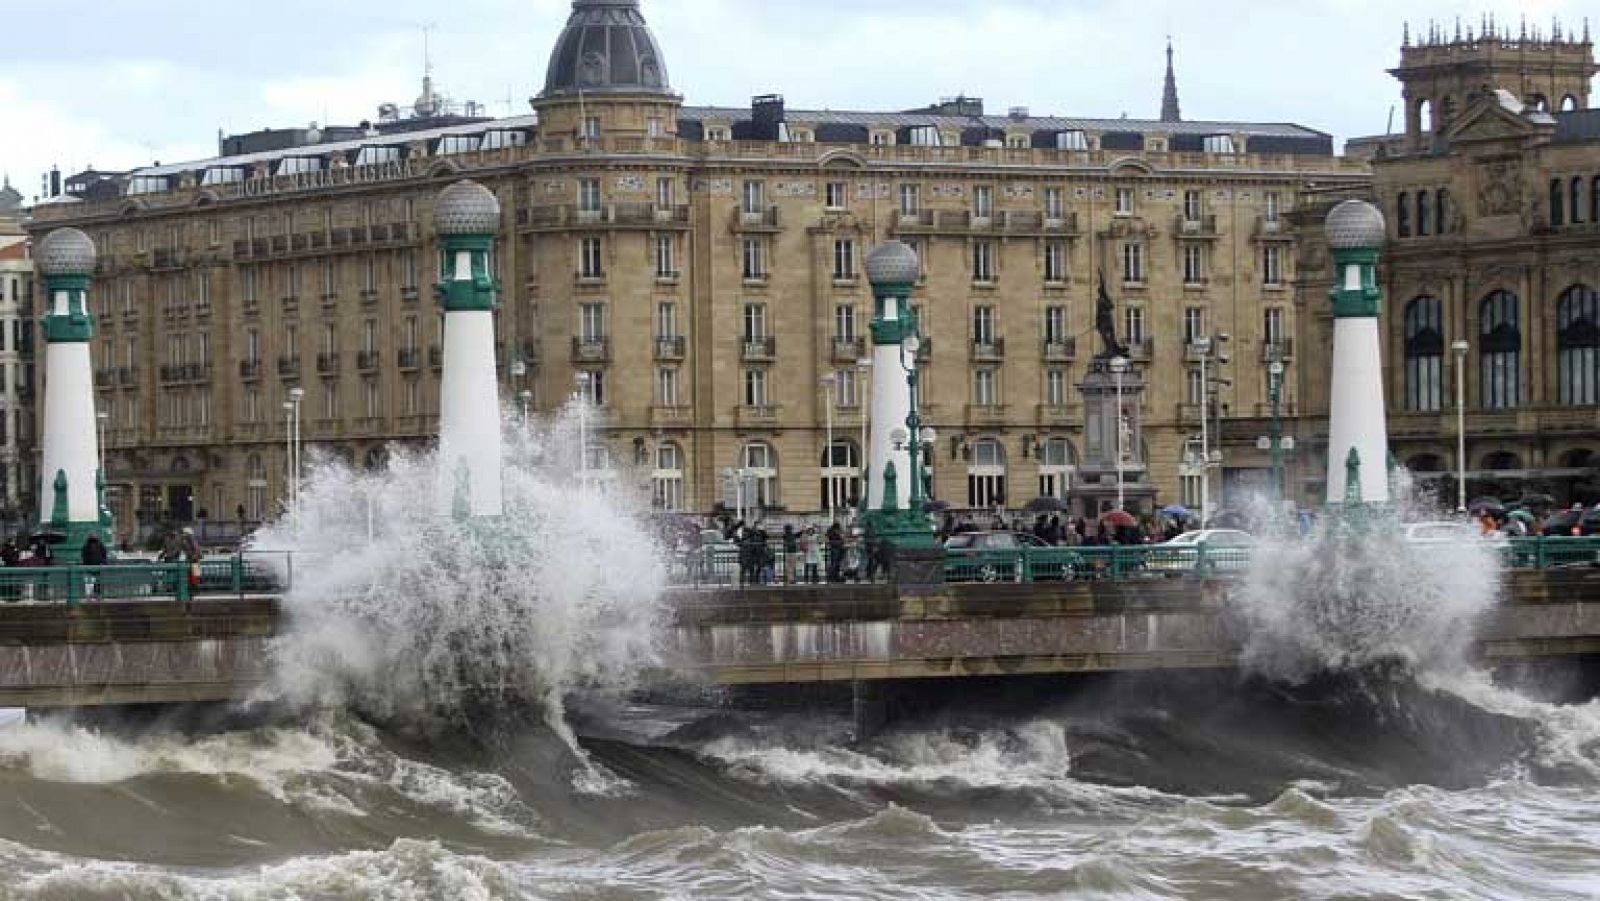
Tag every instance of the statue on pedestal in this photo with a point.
(1105, 322)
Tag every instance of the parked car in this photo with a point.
(1226, 550)
(1450, 533)
(988, 556)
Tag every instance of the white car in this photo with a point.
(1225, 549)
(1446, 533)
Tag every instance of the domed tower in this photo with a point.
(466, 217)
(71, 499)
(1358, 439)
(606, 77)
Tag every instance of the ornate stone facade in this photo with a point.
(704, 266)
(1494, 241)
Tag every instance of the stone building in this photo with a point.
(1492, 197)
(700, 268)
(17, 488)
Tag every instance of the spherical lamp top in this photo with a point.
(893, 263)
(1356, 225)
(65, 251)
(466, 208)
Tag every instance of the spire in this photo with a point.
(1169, 93)
(1405, 35)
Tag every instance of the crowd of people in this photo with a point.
(808, 554)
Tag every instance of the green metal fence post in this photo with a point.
(74, 587)
(181, 572)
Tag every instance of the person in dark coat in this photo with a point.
(94, 552)
(835, 553)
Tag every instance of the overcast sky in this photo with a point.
(124, 84)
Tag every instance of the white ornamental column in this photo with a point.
(466, 219)
(892, 268)
(71, 498)
(1358, 439)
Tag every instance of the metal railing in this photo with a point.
(1128, 562)
(236, 575)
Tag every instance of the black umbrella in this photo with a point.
(1534, 501)
(1045, 505)
(50, 536)
(1487, 505)
(936, 506)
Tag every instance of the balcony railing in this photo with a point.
(592, 349)
(757, 350)
(762, 416)
(622, 215)
(1282, 349)
(328, 363)
(849, 350)
(367, 360)
(766, 221)
(127, 376)
(670, 347)
(671, 417)
(250, 369)
(1202, 226)
(1061, 350)
(435, 356)
(408, 357)
(988, 348)
(289, 366)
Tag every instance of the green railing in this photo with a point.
(1122, 563)
(237, 575)
(73, 585)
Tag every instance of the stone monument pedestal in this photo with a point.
(1113, 424)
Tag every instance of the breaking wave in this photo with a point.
(413, 617)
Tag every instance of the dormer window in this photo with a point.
(148, 184)
(923, 136)
(371, 156)
(222, 175)
(1072, 140)
(499, 139)
(296, 165)
(450, 144)
(1218, 144)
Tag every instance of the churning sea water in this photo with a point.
(428, 753)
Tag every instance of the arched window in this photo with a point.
(1425, 115)
(1540, 102)
(1441, 211)
(1426, 463)
(1558, 193)
(667, 480)
(1423, 218)
(841, 476)
(1577, 205)
(1569, 103)
(1402, 219)
(1500, 351)
(1578, 346)
(1502, 461)
(1581, 458)
(760, 463)
(986, 475)
(1057, 463)
(1424, 354)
